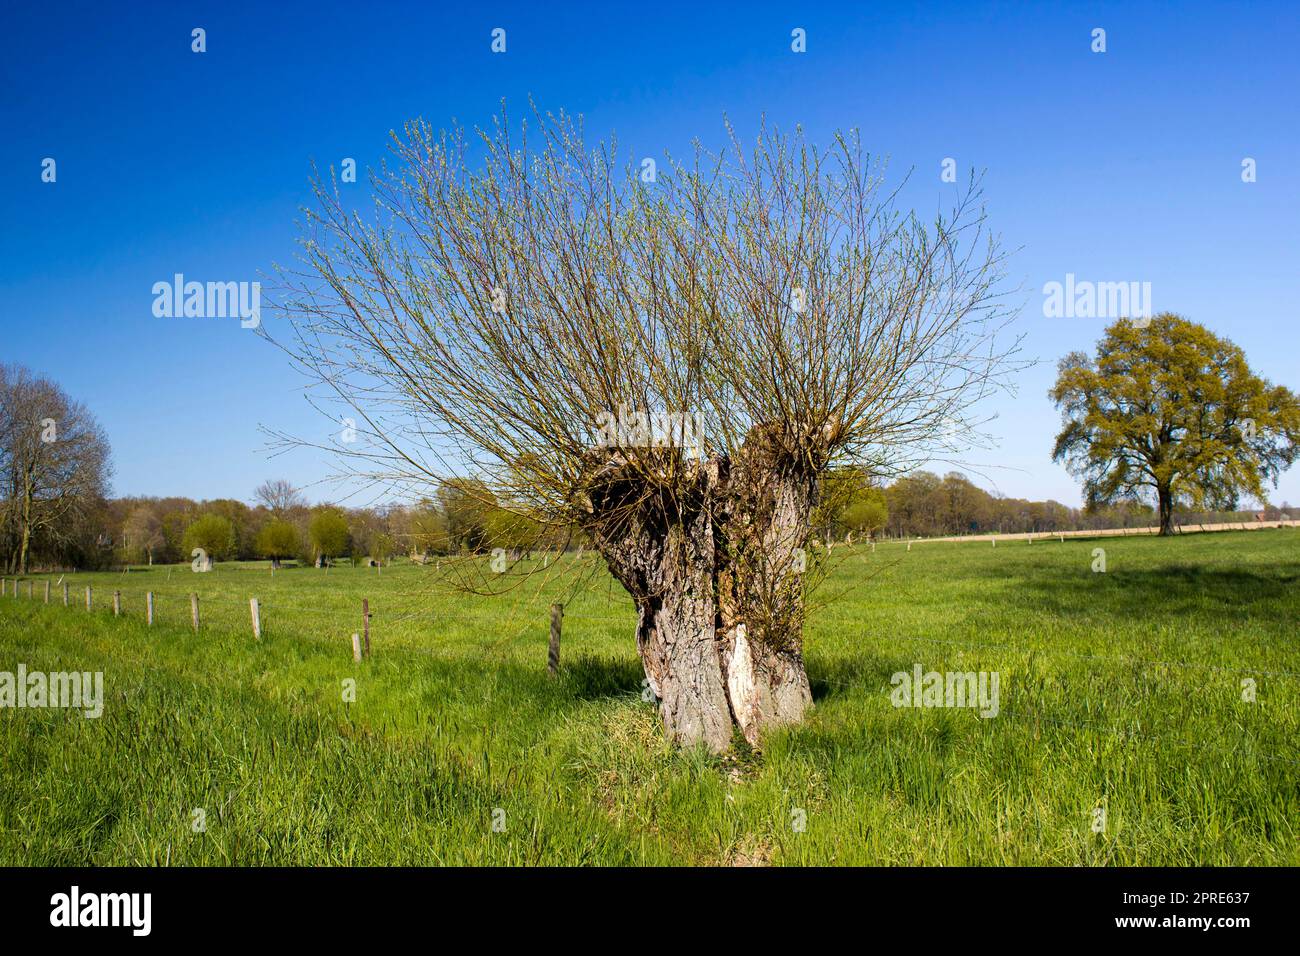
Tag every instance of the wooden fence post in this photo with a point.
(553, 652)
(194, 610)
(65, 593)
(117, 603)
(148, 608)
(256, 610)
(29, 589)
(47, 592)
(356, 647)
(4, 586)
(88, 600)
(365, 623)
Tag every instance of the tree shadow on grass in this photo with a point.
(589, 677)
(867, 674)
(1222, 595)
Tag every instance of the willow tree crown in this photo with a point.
(520, 299)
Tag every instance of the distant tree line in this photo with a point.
(1166, 424)
(463, 519)
(925, 505)
(55, 512)
(280, 526)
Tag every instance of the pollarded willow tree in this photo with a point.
(670, 360)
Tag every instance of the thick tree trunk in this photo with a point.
(1166, 507)
(693, 693)
(760, 580)
(715, 570)
(662, 552)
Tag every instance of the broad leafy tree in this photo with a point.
(329, 532)
(213, 533)
(426, 529)
(866, 513)
(1169, 412)
(277, 540)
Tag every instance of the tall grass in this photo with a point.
(1120, 691)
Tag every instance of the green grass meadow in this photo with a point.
(1120, 691)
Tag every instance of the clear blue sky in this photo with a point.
(1117, 166)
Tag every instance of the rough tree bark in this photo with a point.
(1166, 508)
(768, 505)
(715, 567)
(660, 547)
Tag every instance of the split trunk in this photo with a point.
(712, 555)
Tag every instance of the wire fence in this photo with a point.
(175, 607)
(135, 601)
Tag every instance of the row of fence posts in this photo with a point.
(360, 641)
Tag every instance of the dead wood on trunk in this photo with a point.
(712, 555)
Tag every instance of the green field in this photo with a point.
(1120, 691)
